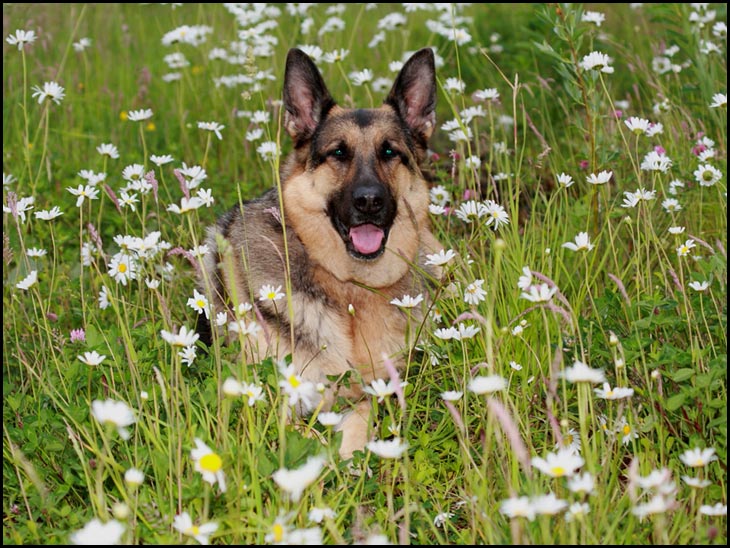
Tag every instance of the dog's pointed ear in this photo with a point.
(306, 98)
(413, 95)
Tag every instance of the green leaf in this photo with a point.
(681, 375)
(676, 401)
(717, 403)
(265, 466)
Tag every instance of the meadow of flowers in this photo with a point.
(570, 382)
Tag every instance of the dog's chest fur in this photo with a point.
(361, 326)
(335, 325)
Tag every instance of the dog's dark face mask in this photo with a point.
(363, 213)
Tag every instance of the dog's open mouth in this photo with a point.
(364, 241)
(367, 240)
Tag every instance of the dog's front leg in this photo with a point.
(355, 429)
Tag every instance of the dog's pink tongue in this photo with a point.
(366, 238)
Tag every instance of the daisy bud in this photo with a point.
(120, 511)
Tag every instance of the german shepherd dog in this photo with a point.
(350, 233)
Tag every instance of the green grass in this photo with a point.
(624, 307)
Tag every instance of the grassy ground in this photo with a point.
(510, 439)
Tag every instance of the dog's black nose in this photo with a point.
(369, 197)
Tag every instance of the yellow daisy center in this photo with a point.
(558, 471)
(211, 462)
(293, 381)
(193, 530)
(200, 303)
(122, 268)
(278, 531)
(699, 462)
(626, 430)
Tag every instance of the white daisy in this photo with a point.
(597, 61)
(92, 358)
(209, 464)
(21, 38)
(582, 243)
(700, 286)
(407, 301)
(295, 481)
(185, 337)
(108, 149)
(487, 385)
(50, 90)
(388, 449)
(116, 413)
(215, 127)
(441, 258)
(719, 100)
(600, 178)
(184, 524)
(617, 393)
(697, 458)
(199, 303)
(139, 115)
(95, 533)
(29, 281)
(580, 372)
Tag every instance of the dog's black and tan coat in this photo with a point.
(355, 208)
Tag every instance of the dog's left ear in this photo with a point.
(413, 95)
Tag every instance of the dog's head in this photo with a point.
(353, 188)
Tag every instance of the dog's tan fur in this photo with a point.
(341, 316)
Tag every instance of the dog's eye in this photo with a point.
(388, 152)
(340, 153)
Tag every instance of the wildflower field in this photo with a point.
(570, 382)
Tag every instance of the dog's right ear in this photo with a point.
(306, 98)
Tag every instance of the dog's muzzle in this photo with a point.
(363, 216)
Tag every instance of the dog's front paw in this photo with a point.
(355, 430)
